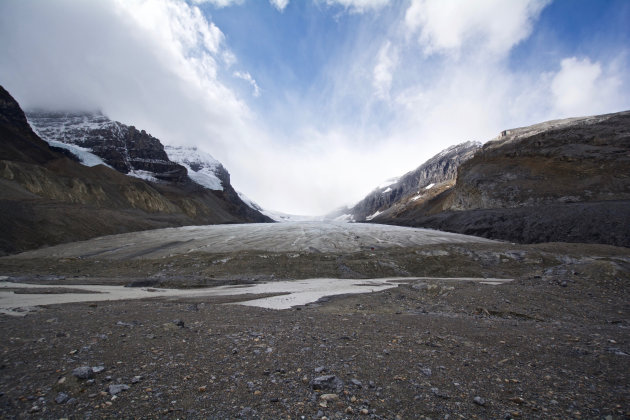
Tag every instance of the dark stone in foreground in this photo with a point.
(117, 389)
(327, 382)
(83, 372)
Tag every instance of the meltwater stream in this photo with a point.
(287, 293)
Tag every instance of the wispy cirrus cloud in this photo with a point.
(249, 79)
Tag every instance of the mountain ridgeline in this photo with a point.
(77, 186)
(559, 181)
(434, 174)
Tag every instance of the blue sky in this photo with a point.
(312, 103)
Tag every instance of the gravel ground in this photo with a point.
(554, 343)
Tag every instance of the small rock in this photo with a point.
(203, 388)
(116, 389)
(248, 413)
(98, 369)
(61, 398)
(320, 369)
(479, 401)
(349, 410)
(329, 397)
(136, 379)
(439, 393)
(179, 323)
(426, 371)
(356, 383)
(327, 382)
(364, 411)
(169, 326)
(83, 372)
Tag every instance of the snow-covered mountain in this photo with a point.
(94, 139)
(202, 167)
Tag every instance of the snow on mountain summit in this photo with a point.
(202, 167)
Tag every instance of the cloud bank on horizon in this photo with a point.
(311, 104)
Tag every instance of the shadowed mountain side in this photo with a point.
(559, 181)
(440, 170)
(47, 198)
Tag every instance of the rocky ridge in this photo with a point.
(47, 197)
(122, 147)
(564, 180)
(439, 170)
(92, 137)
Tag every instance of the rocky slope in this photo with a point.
(440, 170)
(124, 148)
(47, 197)
(136, 153)
(95, 139)
(563, 180)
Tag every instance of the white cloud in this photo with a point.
(445, 26)
(219, 3)
(158, 65)
(582, 87)
(386, 62)
(359, 6)
(249, 79)
(164, 67)
(279, 4)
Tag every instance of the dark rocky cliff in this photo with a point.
(135, 152)
(439, 169)
(565, 181)
(47, 198)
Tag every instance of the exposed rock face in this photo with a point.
(575, 160)
(135, 152)
(124, 148)
(47, 198)
(565, 181)
(439, 169)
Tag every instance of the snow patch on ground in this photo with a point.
(145, 175)
(344, 218)
(387, 190)
(415, 197)
(428, 187)
(372, 216)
